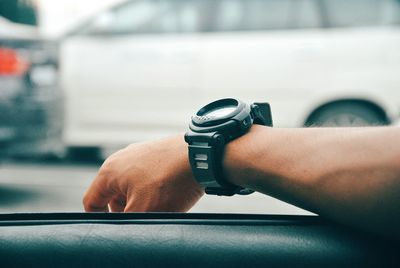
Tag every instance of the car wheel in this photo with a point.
(346, 115)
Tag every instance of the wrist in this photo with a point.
(243, 154)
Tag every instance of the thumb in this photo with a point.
(97, 198)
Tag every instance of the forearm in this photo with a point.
(349, 175)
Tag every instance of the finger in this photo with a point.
(133, 206)
(97, 197)
(118, 204)
(142, 203)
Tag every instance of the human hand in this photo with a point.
(151, 176)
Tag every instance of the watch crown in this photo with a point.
(219, 139)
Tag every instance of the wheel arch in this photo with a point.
(367, 103)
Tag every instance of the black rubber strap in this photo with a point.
(203, 161)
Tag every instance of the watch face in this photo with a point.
(220, 112)
(217, 112)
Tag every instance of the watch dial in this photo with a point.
(221, 112)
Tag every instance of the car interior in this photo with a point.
(187, 240)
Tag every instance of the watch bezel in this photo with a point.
(201, 119)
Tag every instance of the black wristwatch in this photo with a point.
(211, 128)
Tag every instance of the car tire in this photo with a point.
(349, 114)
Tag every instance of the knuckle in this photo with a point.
(107, 169)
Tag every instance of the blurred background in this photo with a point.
(81, 79)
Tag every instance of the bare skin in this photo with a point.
(351, 176)
(153, 176)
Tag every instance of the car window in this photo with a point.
(182, 16)
(250, 15)
(137, 16)
(355, 13)
(151, 16)
(305, 14)
(253, 15)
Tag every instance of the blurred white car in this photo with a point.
(139, 70)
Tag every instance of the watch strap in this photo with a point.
(206, 162)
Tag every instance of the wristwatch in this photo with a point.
(210, 129)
